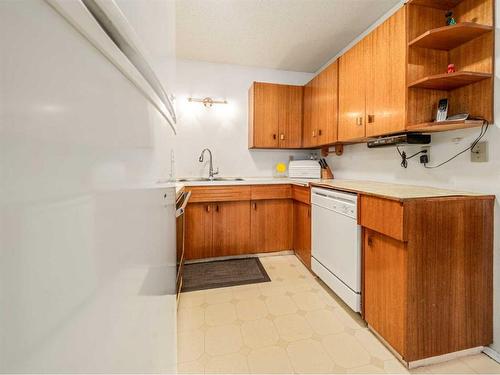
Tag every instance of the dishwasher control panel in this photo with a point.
(341, 202)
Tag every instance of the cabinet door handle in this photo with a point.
(371, 119)
(320, 133)
(274, 136)
(208, 208)
(370, 241)
(359, 121)
(282, 136)
(314, 133)
(255, 206)
(217, 208)
(308, 212)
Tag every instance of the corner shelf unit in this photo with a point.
(432, 46)
(438, 4)
(448, 37)
(434, 127)
(449, 81)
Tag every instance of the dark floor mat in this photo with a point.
(223, 273)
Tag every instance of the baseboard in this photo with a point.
(445, 357)
(493, 354)
(258, 255)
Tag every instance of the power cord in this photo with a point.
(484, 129)
(404, 158)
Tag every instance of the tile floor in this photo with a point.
(289, 325)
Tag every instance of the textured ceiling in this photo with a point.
(298, 35)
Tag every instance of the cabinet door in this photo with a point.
(386, 88)
(302, 232)
(327, 105)
(198, 234)
(271, 225)
(290, 116)
(307, 132)
(385, 287)
(231, 228)
(265, 115)
(352, 91)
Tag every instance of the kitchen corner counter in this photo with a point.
(393, 191)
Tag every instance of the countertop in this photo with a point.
(380, 189)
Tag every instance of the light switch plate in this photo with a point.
(479, 153)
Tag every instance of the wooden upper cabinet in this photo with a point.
(353, 74)
(263, 104)
(327, 105)
(386, 81)
(275, 116)
(290, 116)
(321, 108)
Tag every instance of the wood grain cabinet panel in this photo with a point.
(302, 231)
(275, 115)
(198, 237)
(383, 215)
(231, 228)
(385, 295)
(353, 81)
(386, 84)
(308, 133)
(259, 192)
(271, 225)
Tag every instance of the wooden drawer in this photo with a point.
(301, 194)
(218, 193)
(383, 215)
(271, 192)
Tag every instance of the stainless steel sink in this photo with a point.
(205, 179)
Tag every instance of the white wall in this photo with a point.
(223, 128)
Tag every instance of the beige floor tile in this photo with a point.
(220, 314)
(309, 357)
(455, 366)
(227, 364)
(194, 367)
(368, 369)
(223, 340)
(190, 346)
(324, 322)
(482, 364)
(251, 309)
(293, 327)
(300, 285)
(244, 293)
(373, 345)
(346, 351)
(272, 290)
(393, 366)
(281, 305)
(216, 296)
(259, 333)
(308, 301)
(349, 319)
(191, 299)
(190, 319)
(270, 360)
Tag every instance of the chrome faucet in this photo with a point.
(211, 172)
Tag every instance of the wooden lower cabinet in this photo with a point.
(385, 261)
(231, 228)
(271, 225)
(198, 237)
(302, 231)
(428, 286)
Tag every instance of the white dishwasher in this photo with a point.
(336, 243)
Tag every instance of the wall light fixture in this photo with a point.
(207, 102)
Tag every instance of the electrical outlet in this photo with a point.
(479, 153)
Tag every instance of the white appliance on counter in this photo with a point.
(304, 169)
(336, 243)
